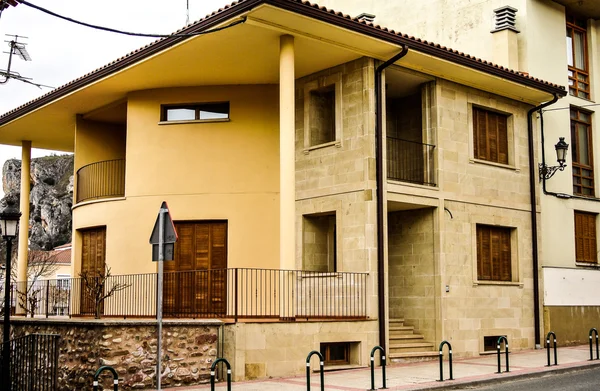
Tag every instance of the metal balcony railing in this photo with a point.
(218, 293)
(101, 180)
(409, 161)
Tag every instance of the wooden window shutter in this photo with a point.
(490, 136)
(484, 271)
(494, 253)
(585, 237)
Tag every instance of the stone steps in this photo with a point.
(405, 345)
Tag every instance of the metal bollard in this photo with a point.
(321, 365)
(382, 352)
(593, 330)
(441, 349)
(212, 373)
(506, 349)
(548, 348)
(114, 373)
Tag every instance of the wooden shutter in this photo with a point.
(493, 253)
(585, 237)
(490, 138)
(193, 287)
(93, 262)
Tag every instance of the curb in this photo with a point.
(508, 377)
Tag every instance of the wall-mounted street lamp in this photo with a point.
(546, 172)
(9, 224)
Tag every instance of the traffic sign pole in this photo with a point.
(159, 301)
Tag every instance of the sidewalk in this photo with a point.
(424, 375)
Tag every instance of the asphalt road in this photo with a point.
(584, 380)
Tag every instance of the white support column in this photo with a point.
(24, 208)
(287, 170)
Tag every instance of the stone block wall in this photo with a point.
(131, 348)
(411, 269)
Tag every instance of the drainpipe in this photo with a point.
(533, 174)
(379, 169)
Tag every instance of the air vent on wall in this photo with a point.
(505, 18)
(369, 18)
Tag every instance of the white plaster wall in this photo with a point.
(571, 287)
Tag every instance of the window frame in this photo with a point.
(506, 233)
(335, 81)
(325, 350)
(592, 259)
(575, 74)
(197, 107)
(475, 112)
(575, 148)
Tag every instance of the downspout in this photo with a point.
(533, 175)
(379, 169)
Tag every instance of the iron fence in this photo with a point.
(33, 362)
(410, 161)
(101, 180)
(218, 293)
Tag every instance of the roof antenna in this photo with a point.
(20, 50)
(187, 15)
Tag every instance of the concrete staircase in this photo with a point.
(406, 346)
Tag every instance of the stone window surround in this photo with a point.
(338, 258)
(517, 271)
(513, 159)
(323, 81)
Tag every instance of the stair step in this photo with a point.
(397, 320)
(406, 336)
(411, 347)
(401, 329)
(412, 356)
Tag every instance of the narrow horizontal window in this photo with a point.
(195, 112)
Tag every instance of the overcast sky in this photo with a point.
(62, 51)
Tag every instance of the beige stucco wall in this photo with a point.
(205, 171)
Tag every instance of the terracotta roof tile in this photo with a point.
(236, 4)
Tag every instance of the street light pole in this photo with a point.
(9, 224)
(7, 308)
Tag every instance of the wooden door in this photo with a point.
(196, 280)
(93, 262)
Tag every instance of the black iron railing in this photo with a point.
(101, 180)
(410, 161)
(218, 293)
(33, 363)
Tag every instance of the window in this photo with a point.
(581, 153)
(490, 343)
(577, 57)
(323, 112)
(490, 136)
(493, 253)
(336, 353)
(585, 237)
(319, 243)
(322, 115)
(196, 112)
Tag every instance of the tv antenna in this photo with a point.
(187, 14)
(19, 49)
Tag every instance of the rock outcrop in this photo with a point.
(51, 198)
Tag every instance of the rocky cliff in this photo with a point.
(51, 198)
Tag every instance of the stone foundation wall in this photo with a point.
(130, 347)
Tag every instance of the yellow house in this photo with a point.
(334, 184)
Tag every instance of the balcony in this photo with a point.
(98, 180)
(409, 161)
(267, 294)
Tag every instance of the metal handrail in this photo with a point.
(410, 161)
(236, 293)
(103, 179)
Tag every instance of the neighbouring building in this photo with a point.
(559, 41)
(334, 185)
